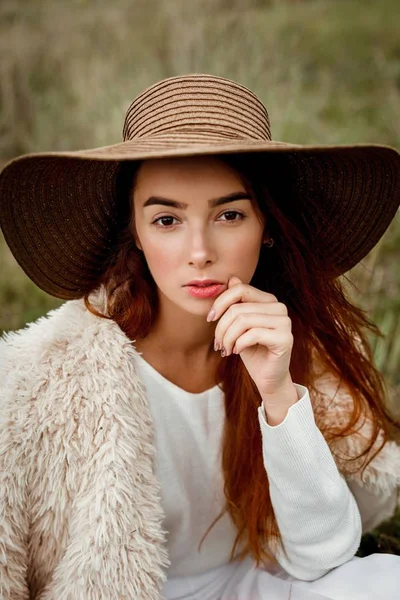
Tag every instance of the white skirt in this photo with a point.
(374, 577)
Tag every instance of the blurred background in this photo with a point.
(327, 70)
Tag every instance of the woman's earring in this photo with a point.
(268, 242)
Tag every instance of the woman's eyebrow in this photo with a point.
(212, 203)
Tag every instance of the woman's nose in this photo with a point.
(201, 250)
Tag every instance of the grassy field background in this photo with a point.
(327, 70)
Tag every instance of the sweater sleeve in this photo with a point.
(317, 514)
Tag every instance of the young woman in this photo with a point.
(202, 418)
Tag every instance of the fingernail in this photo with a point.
(216, 345)
(223, 352)
(211, 315)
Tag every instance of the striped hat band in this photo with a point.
(209, 105)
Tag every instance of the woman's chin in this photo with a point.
(197, 308)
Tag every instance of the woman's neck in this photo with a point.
(181, 333)
(180, 346)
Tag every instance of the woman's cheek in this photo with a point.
(161, 260)
(246, 246)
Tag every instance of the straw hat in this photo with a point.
(58, 209)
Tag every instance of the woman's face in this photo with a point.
(195, 221)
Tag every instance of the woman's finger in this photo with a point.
(238, 293)
(270, 308)
(278, 342)
(247, 321)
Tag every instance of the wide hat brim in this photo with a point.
(58, 210)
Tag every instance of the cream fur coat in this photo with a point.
(80, 509)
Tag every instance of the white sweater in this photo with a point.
(316, 512)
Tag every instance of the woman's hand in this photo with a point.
(253, 324)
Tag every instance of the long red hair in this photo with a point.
(328, 330)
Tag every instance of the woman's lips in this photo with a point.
(205, 291)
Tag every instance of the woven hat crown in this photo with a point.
(202, 104)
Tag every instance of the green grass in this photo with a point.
(384, 539)
(327, 70)
(21, 301)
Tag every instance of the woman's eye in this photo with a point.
(164, 222)
(232, 215)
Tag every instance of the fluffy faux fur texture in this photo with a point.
(81, 514)
(80, 505)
